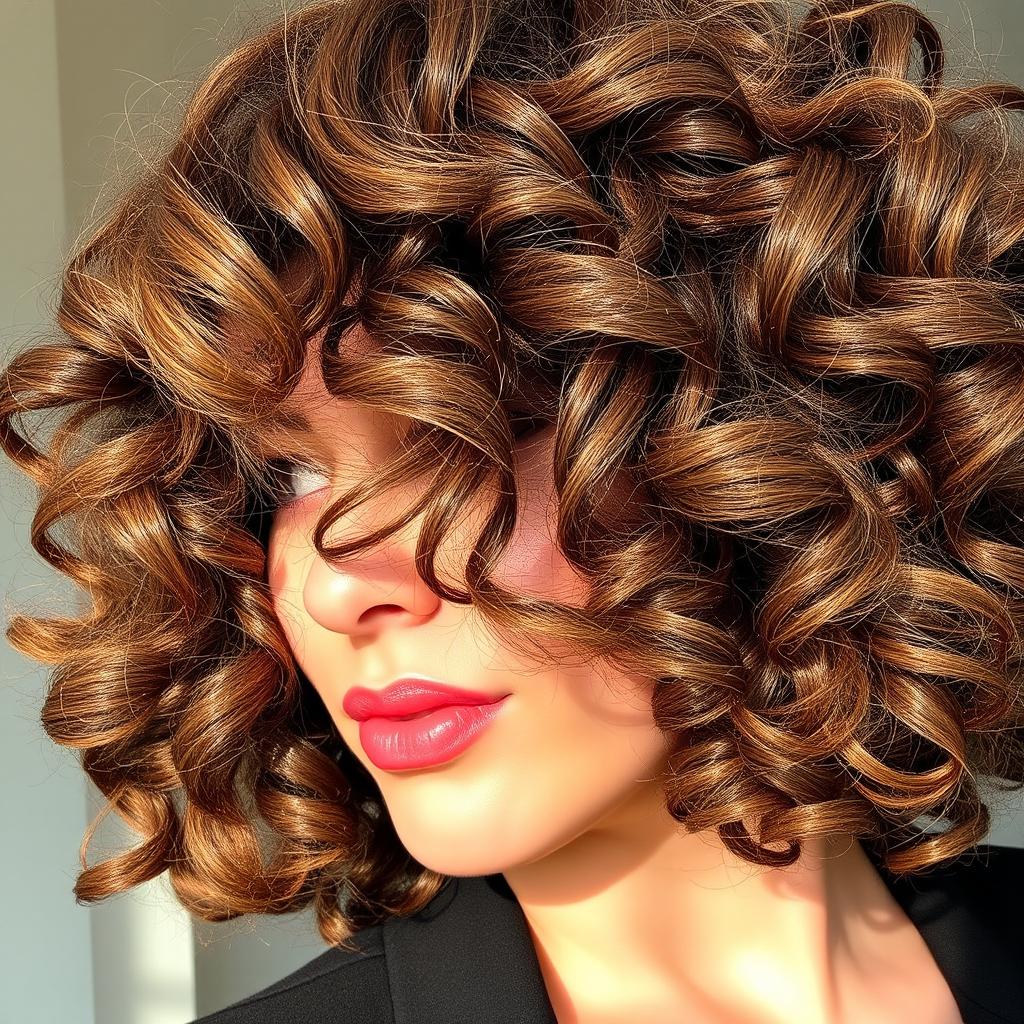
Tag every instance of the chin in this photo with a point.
(476, 851)
(458, 863)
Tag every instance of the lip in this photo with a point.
(438, 736)
(449, 719)
(409, 695)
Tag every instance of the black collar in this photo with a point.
(468, 957)
(969, 913)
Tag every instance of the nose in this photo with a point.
(369, 591)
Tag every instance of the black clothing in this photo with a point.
(467, 957)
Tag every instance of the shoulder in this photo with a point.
(992, 872)
(998, 878)
(970, 915)
(987, 873)
(354, 986)
(978, 897)
(341, 986)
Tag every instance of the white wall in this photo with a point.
(42, 795)
(84, 85)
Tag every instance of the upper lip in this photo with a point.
(409, 695)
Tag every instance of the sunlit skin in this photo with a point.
(629, 914)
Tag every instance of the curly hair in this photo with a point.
(738, 257)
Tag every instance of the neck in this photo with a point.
(697, 927)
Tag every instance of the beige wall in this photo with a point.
(126, 67)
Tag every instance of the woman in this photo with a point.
(548, 479)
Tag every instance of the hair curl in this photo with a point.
(741, 257)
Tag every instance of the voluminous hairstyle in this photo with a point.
(752, 261)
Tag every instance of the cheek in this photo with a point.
(532, 563)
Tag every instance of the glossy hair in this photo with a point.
(747, 261)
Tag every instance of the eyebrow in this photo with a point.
(292, 419)
(284, 426)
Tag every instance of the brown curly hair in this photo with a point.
(741, 258)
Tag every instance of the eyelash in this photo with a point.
(282, 468)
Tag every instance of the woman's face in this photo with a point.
(569, 745)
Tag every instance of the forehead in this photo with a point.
(309, 418)
(308, 399)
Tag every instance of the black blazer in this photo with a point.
(467, 957)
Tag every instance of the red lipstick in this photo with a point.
(416, 722)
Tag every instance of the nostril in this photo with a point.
(380, 609)
(387, 612)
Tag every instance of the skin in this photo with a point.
(629, 914)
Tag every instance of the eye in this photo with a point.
(281, 472)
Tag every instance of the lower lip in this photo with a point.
(430, 739)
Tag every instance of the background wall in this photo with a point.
(85, 87)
